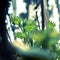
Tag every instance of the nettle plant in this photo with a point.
(44, 39)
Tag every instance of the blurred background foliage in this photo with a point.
(45, 39)
(39, 27)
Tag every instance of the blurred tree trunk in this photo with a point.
(44, 13)
(59, 14)
(58, 6)
(14, 7)
(27, 7)
(45, 18)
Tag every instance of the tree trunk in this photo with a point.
(14, 7)
(44, 13)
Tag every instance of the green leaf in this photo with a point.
(30, 26)
(20, 35)
(38, 54)
(30, 22)
(54, 35)
(16, 20)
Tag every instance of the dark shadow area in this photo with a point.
(5, 47)
(23, 15)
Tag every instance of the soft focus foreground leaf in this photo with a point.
(52, 42)
(38, 36)
(58, 52)
(59, 58)
(54, 34)
(54, 37)
(32, 52)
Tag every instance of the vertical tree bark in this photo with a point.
(44, 18)
(44, 13)
(14, 7)
(58, 6)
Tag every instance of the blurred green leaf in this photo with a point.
(54, 35)
(58, 52)
(58, 58)
(37, 53)
(38, 36)
(50, 25)
(52, 42)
